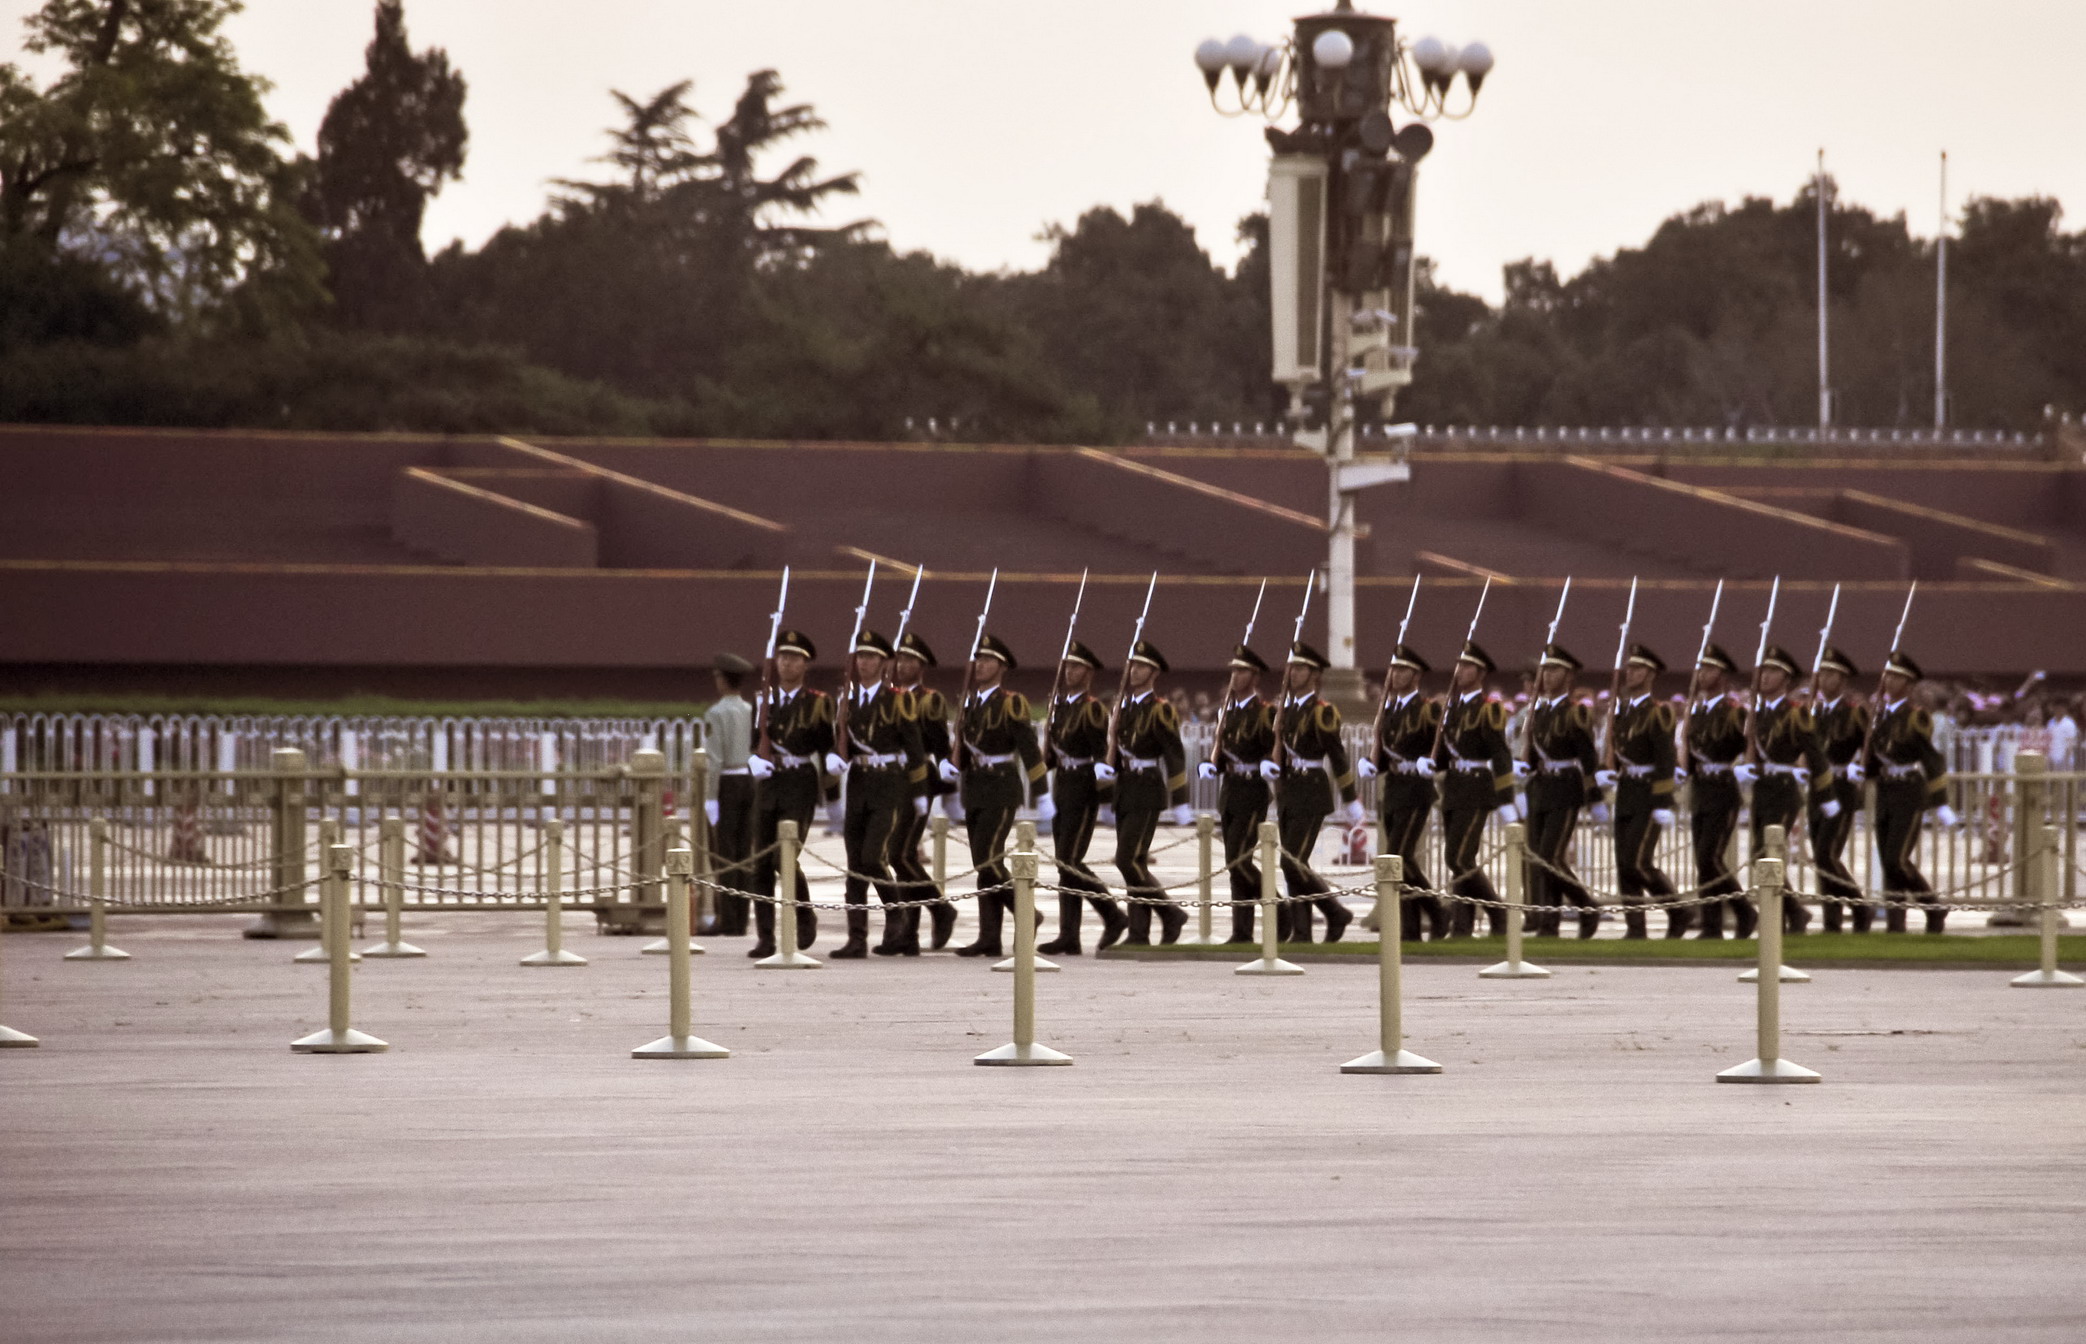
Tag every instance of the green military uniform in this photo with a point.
(1405, 795)
(910, 871)
(1075, 741)
(1842, 726)
(796, 730)
(1644, 766)
(1243, 756)
(1561, 762)
(1792, 767)
(1910, 779)
(1002, 769)
(879, 739)
(1152, 775)
(1716, 735)
(1314, 769)
(1476, 765)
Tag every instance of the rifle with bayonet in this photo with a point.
(843, 742)
(1224, 704)
(959, 749)
(1383, 706)
(1296, 637)
(1753, 701)
(1441, 730)
(767, 692)
(1057, 678)
(1695, 673)
(1825, 631)
(1622, 650)
(1115, 718)
(1897, 640)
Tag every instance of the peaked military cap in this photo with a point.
(1837, 659)
(912, 644)
(732, 665)
(1901, 663)
(1300, 652)
(1405, 655)
(1557, 655)
(1714, 656)
(869, 641)
(992, 646)
(1243, 656)
(1642, 656)
(1777, 656)
(1076, 652)
(796, 641)
(1477, 656)
(1144, 651)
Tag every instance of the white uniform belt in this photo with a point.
(981, 758)
(1777, 768)
(735, 770)
(1548, 765)
(1307, 762)
(789, 762)
(1244, 769)
(1141, 762)
(1073, 762)
(1636, 771)
(1474, 767)
(880, 760)
(1896, 771)
(1713, 767)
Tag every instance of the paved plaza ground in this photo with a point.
(170, 1171)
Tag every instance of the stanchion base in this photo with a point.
(1772, 1071)
(1405, 1061)
(10, 1039)
(1197, 940)
(1042, 964)
(659, 947)
(2053, 980)
(681, 1047)
(558, 958)
(102, 953)
(392, 950)
(790, 959)
(349, 1042)
(319, 956)
(1268, 966)
(1023, 1056)
(1513, 970)
(1789, 976)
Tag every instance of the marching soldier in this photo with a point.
(728, 734)
(1404, 758)
(879, 755)
(1560, 766)
(1241, 757)
(1792, 767)
(1910, 779)
(798, 730)
(1477, 768)
(908, 671)
(1842, 724)
(1150, 774)
(1002, 770)
(1075, 746)
(1314, 765)
(1643, 784)
(1716, 736)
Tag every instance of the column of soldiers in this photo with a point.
(898, 745)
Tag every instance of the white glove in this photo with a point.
(920, 805)
(1521, 807)
(1803, 775)
(1663, 816)
(1829, 808)
(1601, 815)
(1354, 812)
(1184, 815)
(760, 767)
(1207, 770)
(834, 765)
(1606, 778)
(836, 818)
(1270, 772)
(710, 811)
(1426, 766)
(1103, 771)
(1365, 768)
(1744, 773)
(1856, 773)
(950, 774)
(1946, 815)
(1521, 769)
(1046, 808)
(1506, 814)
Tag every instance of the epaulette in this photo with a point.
(1169, 718)
(1017, 705)
(821, 707)
(934, 705)
(1665, 716)
(908, 706)
(1922, 723)
(1496, 712)
(1092, 711)
(1582, 716)
(1326, 718)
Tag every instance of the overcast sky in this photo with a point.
(977, 122)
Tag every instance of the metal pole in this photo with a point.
(1270, 869)
(97, 948)
(679, 1042)
(1769, 1066)
(391, 868)
(1390, 1056)
(787, 957)
(701, 841)
(1941, 307)
(554, 953)
(1025, 838)
(287, 836)
(329, 836)
(1206, 884)
(1824, 366)
(1023, 1050)
(339, 1038)
(2049, 891)
(1774, 844)
(1514, 968)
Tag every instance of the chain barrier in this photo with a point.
(79, 900)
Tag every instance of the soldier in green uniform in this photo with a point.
(1792, 767)
(877, 750)
(728, 736)
(1642, 782)
(1476, 765)
(1075, 744)
(1150, 773)
(1910, 780)
(1560, 766)
(1314, 767)
(908, 673)
(1404, 762)
(1716, 738)
(1842, 724)
(1241, 759)
(1000, 768)
(794, 729)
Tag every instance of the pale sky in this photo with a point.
(977, 122)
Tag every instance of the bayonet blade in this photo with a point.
(1825, 631)
(1773, 594)
(1622, 645)
(1410, 603)
(1482, 594)
(1558, 619)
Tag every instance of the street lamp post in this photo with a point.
(1340, 240)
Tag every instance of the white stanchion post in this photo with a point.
(938, 827)
(1514, 968)
(660, 947)
(788, 957)
(1205, 880)
(1390, 1056)
(97, 948)
(1025, 839)
(10, 1039)
(339, 1038)
(553, 953)
(1775, 845)
(679, 1042)
(322, 955)
(1023, 1050)
(1769, 1067)
(1269, 962)
(391, 869)
(2050, 891)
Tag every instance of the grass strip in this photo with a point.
(1815, 949)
